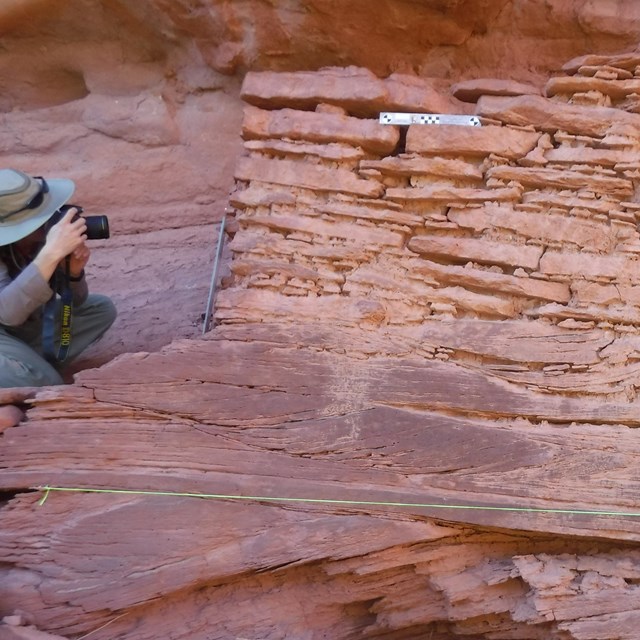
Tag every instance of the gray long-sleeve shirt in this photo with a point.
(19, 298)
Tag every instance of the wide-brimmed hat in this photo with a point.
(27, 202)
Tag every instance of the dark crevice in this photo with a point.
(401, 147)
(7, 495)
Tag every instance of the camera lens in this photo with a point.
(97, 227)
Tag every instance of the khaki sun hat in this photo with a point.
(27, 202)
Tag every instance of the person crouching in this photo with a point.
(42, 277)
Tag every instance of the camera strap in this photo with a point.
(63, 308)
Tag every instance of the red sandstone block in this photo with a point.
(551, 115)
(471, 90)
(591, 265)
(543, 226)
(449, 195)
(354, 89)
(563, 179)
(471, 141)
(350, 88)
(477, 250)
(362, 234)
(616, 89)
(414, 165)
(317, 127)
(305, 175)
(590, 156)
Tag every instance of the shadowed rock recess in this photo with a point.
(415, 414)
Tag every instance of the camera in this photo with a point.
(97, 226)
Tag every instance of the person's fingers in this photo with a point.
(80, 223)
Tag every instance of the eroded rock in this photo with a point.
(435, 443)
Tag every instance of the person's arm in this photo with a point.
(79, 288)
(77, 262)
(63, 239)
(67, 238)
(19, 298)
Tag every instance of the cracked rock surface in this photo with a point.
(414, 415)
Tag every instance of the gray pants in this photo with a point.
(21, 361)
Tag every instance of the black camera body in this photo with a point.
(97, 226)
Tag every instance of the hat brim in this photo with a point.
(60, 190)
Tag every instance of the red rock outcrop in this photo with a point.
(415, 414)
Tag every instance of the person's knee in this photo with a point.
(100, 307)
(36, 373)
(108, 310)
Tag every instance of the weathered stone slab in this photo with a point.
(547, 227)
(413, 165)
(319, 128)
(355, 89)
(280, 374)
(379, 281)
(618, 314)
(245, 267)
(616, 89)
(553, 581)
(563, 179)
(478, 250)
(334, 152)
(471, 141)
(254, 305)
(591, 265)
(119, 526)
(364, 209)
(316, 226)
(262, 195)
(570, 201)
(627, 61)
(590, 156)
(452, 195)
(623, 623)
(519, 341)
(261, 241)
(461, 574)
(371, 212)
(549, 115)
(605, 71)
(471, 90)
(492, 282)
(306, 89)
(305, 175)
(606, 294)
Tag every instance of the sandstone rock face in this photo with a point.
(414, 416)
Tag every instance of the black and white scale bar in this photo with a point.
(429, 118)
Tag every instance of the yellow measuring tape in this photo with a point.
(354, 503)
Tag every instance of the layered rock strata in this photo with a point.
(416, 408)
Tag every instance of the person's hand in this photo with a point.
(65, 236)
(78, 260)
(63, 239)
